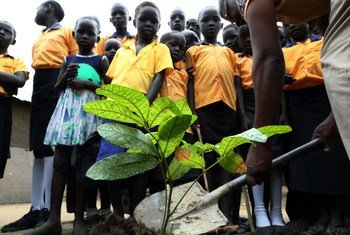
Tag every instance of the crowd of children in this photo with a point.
(189, 62)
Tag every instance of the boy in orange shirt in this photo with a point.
(119, 19)
(13, 74)
(214, 94)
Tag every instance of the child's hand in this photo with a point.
(190, 73)
(246, 124)
(71, 71)
(77, 83)
(283, 119)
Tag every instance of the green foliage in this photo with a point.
(121, 166)
(146, 150)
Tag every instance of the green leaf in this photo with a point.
(158, 112)
(233, 163)
(185, 109)
(203, 148)
(187, 156)
(176, 170)
(130, 98)
(121, 166)
(171, 133)
(109, 109)
(127, 137)
(274, 130)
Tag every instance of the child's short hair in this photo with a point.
(58, 9)
(244, 31)
(146, 4)
(169, 35)
(13, 28)
(230, 26)
(93, 18)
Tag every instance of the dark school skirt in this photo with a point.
(217, 121)
(317, 172)
(5, 131)
(43, 104)
(249, 103)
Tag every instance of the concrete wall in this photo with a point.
(20, 124)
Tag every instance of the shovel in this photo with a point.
(198, 212)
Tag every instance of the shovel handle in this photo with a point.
(215, 195)
(277, 162)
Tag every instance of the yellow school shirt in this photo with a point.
(99, 49)
(175, 83)
(244, 71)
(52, 46)
(137, 71)
(303, 61)
(11, 65)
(214, 71)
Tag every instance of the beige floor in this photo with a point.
(12, 212)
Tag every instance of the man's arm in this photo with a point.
(268, 72)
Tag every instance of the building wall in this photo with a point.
(20, 124)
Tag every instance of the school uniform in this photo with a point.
(317, 172)
(99, 49)
(10, 65)
(48, 53)
(137, 71)
(214, 90)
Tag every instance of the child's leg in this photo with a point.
(105, 198)
(261, 218)
(61, 166)
(48, 172)
(138, 189)
(37, 184)
(276, 198)
(115, 193)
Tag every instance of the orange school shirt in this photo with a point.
(11, 65)
(244, 71)
(214, 71)
(137, 71)
(175, 83)
(52, 46)
(303, 61)
(99, 49)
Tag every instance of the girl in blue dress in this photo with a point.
(70, 125)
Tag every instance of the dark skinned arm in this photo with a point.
(155, 86)
(328, 131)
(105, 65)
(65, 72)
(10, 82)
(268, 72)
(243, 119)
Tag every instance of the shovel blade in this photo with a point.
(150, 212)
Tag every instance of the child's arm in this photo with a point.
(245, 123)
(66, 72)
(283, 119)
(15, 80)
(105, 66)
(155, 86)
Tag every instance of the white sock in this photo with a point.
(37, 184)
(48, 172)
(261, 218)
(276, 196)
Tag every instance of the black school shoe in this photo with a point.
(44, 215)
(27, 221)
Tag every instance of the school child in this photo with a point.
(192, 24)
(214, 97)
(142, 66)
(230, 38)
(48, 52)
(191, 39)
(13, 74)
(319, 182)
(119, 19)
(70, 125)
(112, 45)
(174, 87)
(177, 20)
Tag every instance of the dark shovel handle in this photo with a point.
(277, 162)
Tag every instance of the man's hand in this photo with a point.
(258, 163)
(328, 131)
